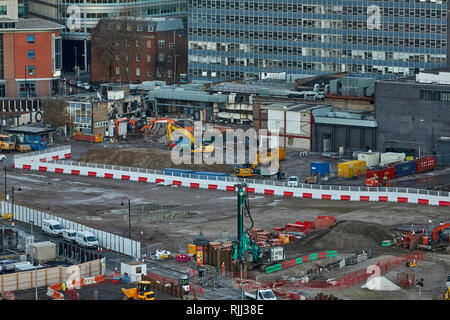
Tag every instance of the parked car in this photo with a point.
(293, 181)
(79, 84)
(86, 86)
(72, 82)
(86, 239)
(7, 266)
(2, 157)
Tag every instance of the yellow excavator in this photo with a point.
(173, 128)
(251, 170)
(142, 292)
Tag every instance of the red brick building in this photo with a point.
(133, 50)
(30, 57)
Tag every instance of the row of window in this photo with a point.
(161, 57)
(137, 44)
(277, 7)
(279, 21)
(285, 64)
(322, 38)
(159, 72)
(403, 27)
(434, 95)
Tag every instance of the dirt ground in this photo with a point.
(97, 203)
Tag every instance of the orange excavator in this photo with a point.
(152, 122)
(118, 121)
(439, 229)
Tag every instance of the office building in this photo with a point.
(231, 39)
(30, 56)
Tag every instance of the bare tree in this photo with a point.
(54, 112)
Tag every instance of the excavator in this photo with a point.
(152, 122)
(251, 170)
(173, 128)
(436, 241)
(124, 120)
(142, 292)
(244, 247)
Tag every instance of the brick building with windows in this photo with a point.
(30, 56)
(133, 50)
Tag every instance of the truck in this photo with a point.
(7, 142)
(6, 266)
(265, 294)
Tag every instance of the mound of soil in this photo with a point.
(145, 158)
(346, 235)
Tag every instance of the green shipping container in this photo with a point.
(331, 254)
(270, 269)
(277, 267)
(299, 260)
(313, 256)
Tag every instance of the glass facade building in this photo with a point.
(236, 39)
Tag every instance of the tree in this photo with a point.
(54, 112)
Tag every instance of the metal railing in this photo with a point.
(257, 181)
(36, 153)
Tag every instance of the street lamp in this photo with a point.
(5, 181)
(35, 264)
(12, 199)
(31, 224)
(129, 216)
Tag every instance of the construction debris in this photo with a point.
(380, 284)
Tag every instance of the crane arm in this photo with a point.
(437, 229)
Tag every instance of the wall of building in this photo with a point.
(329, 138)
(405, 120)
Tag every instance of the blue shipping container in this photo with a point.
(405, 168)
(321, 167)
(175, 170)
(209, 173)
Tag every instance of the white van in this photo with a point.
(52, 227)
(69, 235)
(86, 239)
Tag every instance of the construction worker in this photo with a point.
(385, 178)
(223, 268)
(64, 287)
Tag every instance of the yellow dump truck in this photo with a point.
(7, 142)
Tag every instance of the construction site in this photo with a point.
(234, 243)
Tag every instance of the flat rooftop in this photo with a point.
(29, 130)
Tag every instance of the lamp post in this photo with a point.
(35, 264)
(129, 216)
(5, 181)
(31, 225)
(12, 199)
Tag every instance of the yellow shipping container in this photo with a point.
(351, 169)
(192, 249)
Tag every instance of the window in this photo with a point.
(149, 58)
(2, 90)
(169, 73)
(30, 38)
(117, 70)
(3, 10)
(27, 89)
(31, 54)
(31, 70)
(149, 43)
(139, 28)
(149, 73)
(150, 29)
(137, 44)
(138, 72)
(172, 45)
(138, 57)
(161, 43)
(161, 57)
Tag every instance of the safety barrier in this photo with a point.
(62, 152)
(53, 290)
(266, 187)
(105, 239)
(300, 260)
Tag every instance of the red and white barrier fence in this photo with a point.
(323, 192)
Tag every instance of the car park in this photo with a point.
(293, 181)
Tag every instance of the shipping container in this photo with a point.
(351, 169)
(405, 168)
(43, 251)
(425, 163)
(387, 158)
(372, 159)
(177, 172)
(209, 173)
(380, 172)
(322, 168)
